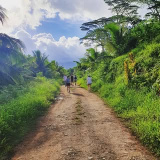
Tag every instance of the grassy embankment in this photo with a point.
(138, 102)
(19, 109)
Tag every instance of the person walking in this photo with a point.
(75, 80)
(68, 82)
(64, 79)
(89, 82)
(72, 80)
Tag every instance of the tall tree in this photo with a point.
(95, 32)
(41, 61)
(2, 14)
(153, 6)
(11, 56)
(116, 40)
(11, 53)
(124, 11)
(92, 55)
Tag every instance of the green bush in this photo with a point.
(82, 82)
(18, 115)
(137, 101)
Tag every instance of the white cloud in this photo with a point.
(64, 51)
(25, 13)
(81, 9)
(27, 39)
(30, 13)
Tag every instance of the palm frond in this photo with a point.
(2, 14)
(10, 44)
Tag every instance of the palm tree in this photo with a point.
(92, 55)
(41, 60)
(9, 45)
(116, 38)
(2, 14)
(11, 53)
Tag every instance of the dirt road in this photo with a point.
(79, 126)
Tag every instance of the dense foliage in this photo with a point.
(28, 85)
(126, 72)
(19, 114)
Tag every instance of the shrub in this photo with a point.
(18, 115)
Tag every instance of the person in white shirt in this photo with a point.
(89, 82)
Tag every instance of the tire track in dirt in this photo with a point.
(80, 127)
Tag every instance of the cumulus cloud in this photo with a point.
(81, 9)
(30, 13)
(64, 51)
(27, 39)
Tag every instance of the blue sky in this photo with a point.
(52, 26)
(59, 28)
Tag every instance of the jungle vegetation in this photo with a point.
(28, 85)
(124, 63)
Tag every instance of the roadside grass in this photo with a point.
(139, 108)
(18, 116)
(7, 93)
(79, 112)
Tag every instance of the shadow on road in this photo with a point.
(77, 94)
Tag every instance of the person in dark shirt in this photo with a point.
(64, 79)
(75, 80)
(68, 84)
(72, 80)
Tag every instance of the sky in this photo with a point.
(52, 26)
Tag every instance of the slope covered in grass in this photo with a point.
(132, 92)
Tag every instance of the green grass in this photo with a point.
(139, 108)
(18, 116)
(79, 112)
(136, 101)
(7, 93)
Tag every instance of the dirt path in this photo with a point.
(80, 127)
